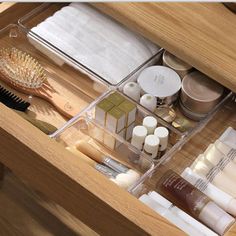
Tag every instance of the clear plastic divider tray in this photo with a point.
(83, 35)
(192, 146)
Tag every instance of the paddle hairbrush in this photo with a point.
(25, 74)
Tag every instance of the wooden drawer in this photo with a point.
(51, 169)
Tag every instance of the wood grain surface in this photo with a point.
(202, 34)
(71, 183)
(24, 212)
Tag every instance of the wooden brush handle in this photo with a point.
(82, 156)
(64, 106)
(90, 151)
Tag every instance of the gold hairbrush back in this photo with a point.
(24, 73)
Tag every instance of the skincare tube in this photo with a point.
(217, 158)
(205, 169)
(181, 214)
(190, 199)
(229, 137)
(224, 200)
(226, 150)
(169, 215)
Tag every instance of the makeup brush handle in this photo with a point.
(90, 151)
(82, 156)
(64, 106)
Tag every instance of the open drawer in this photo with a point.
(66, 179)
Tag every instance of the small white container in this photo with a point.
(161, 82)
(163, 134)
(138, 136)
(132, 90)
(151, 145)
(149, 101)
(150, 123)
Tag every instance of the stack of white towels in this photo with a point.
(96, 41)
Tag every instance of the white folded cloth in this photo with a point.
(95, 40)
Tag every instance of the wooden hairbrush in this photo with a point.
(24, 73)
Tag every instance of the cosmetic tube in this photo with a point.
(185, 196)
(217, 158)
(229, 137)
(205, 169)
(226, 150)
(181, 214)
(224, 200)
(169, 215)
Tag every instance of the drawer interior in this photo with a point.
(86, 89)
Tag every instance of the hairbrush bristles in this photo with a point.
(21, 69)
(12, 101)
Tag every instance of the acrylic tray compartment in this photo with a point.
(208, 133)
(40, 14)
(85, 127)
(72, 85)
(182, 123)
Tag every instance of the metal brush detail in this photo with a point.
(21, 69)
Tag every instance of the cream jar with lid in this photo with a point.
(199, 95)
(161, 82)
(180, 67)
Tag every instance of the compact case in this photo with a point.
(183, 148)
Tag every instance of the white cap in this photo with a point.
(216, 218)
(222, 147)
(132, 90)
(150, 123)
(229, 137)
(152, 204)
(201, 166)
(138, 135)
(162, 133)
(190, 176)
(161, 200)
(149, 102)
(151, 144)
(231, 206)
(213, 155)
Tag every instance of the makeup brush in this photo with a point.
(119, 178)
(24, 73)
(89, 150)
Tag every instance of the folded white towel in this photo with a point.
(96, 41)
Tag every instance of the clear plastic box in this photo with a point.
(44, 11)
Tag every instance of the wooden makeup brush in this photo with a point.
(123, 180)
(24, 73)
(98, 156)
